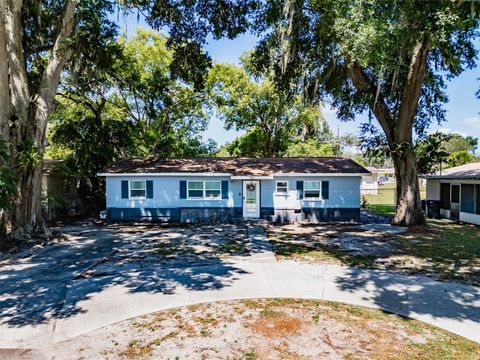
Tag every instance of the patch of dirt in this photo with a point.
(269, 329)
(334, 240)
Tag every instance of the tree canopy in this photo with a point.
(388, 58)
(273, 120)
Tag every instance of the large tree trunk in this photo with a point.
(398, 131)
(407, 196)
(24, 123)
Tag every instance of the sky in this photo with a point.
(463, 109)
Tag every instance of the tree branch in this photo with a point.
(18, 84)
(377, 104)
(79, 101)
(412, 90)
(4, 90)
(59, 56)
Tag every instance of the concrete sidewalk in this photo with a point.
(453, 307)
(42, 303)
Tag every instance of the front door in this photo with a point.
(251, 199)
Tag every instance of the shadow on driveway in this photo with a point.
(413, 295)
(33, 290)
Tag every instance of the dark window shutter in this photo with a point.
(149, 189)
(300, 188)
(224, 189)
(325, 189)
(124, 189)
(183, 189)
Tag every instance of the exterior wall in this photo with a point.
(433, 193)
(470, 218)
(344, 193)
(369, 185)
(343, 203)
(433, 189)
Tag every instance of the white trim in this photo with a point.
(235, 177)
(130, 197)
(245, 213)
(163, 174)
(281, 192)
(204, 190)
(248, 177)
(322, 174)
(319, 198)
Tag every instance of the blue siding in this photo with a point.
(166, 203)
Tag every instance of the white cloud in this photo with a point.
(447, 131)
(473, 122)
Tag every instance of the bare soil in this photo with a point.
(269, 329)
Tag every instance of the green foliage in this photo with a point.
(7, 177)
(310, 148)
(317, 44)
(273, 120)
(431, 153)
(170, 112)
(29, 154)
(458, 158)
(88, 139)
(457, 142)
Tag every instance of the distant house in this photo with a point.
(458, 190)
(59, 192)
(226, 189)
(376, 177)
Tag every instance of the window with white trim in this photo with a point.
(282, 187)
(312, 189)
(138, 189)
(204, 189)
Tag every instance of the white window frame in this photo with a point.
(281, 192)
(130, 190)
(319, 190)
(204, 190)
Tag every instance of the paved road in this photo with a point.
(41, 303)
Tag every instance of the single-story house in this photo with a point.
(458, 190)
(226, 189)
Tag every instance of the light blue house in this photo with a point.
(226, 189)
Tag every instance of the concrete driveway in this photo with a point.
(50, 297)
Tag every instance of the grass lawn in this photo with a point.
(446, 250)
(270, 329)
(449, 250)
(384, 202)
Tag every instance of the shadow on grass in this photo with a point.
(34, 290)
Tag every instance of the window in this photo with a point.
(445, 196)
(204, 189)
(311, 189)
(468, 199)
(455, 194)
(138, 189)
(212, 189)
(195, 189)
(282, 187)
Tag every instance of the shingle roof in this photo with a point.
(236, 166)
(470, 171)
